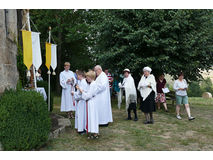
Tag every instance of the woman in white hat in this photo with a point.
(128, 85)
(147, 88)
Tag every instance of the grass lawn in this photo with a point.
(167, 133)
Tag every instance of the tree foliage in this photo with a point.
(169, 41)
(70, 32)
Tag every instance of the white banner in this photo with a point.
(53, 56)
(36, 49)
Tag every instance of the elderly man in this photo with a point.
(103, 97)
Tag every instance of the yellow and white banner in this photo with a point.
(51, 56)
(31, 49)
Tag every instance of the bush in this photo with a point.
(207, 86)
(24, 120)
(45, 85)
(194, 89)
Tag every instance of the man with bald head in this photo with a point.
(103, 97)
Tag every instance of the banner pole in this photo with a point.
(49, 75)
(29, 27)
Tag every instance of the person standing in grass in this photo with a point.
(147, 88)
(92, 123)
(103, 97)
(106, 71)
(67, 82)
(161, 97)
(128, 85)
(80, 113)
(180, 87)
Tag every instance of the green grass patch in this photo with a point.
(167, 133)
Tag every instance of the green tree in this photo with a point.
(207, 86)
(169, 41)
(71, 34)
(194, 89)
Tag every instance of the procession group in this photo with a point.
(89, 95)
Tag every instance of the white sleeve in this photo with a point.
(101, 86)
(75, 81)
(142, 84)
(63, 82)
(185, 84)
(175, 86)
(77, 96)
(90, 93)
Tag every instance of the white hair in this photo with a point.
(98, 67)
(147, 69)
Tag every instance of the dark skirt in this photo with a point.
(148, 105)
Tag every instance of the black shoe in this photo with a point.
(146, 122)
(166, 110)
(129, 118)
(103, 125)
(151, 122)
(135, 119)
(82, 133)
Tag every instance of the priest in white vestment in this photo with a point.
(103, 97)
(67, 82)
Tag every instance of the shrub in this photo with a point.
(45, 85)
(194, 89)
(207, 86)
(24, 120)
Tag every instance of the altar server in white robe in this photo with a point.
(103, 97)
(67, 82)
(80, 113)
(92, 125)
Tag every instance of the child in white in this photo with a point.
(92, 123)
(80, 114)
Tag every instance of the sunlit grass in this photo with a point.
(167, 133)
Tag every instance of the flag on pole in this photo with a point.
(27, 48)
(54, 57)
(51, 56)
(31, 49)
(37, 61)
(48, 55)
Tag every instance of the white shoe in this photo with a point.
(191, 118)
(179, 117)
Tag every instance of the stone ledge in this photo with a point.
(63, 123)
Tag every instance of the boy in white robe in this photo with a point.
(80, 113)
(67, 82)
(92, 123)
(103, 97)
